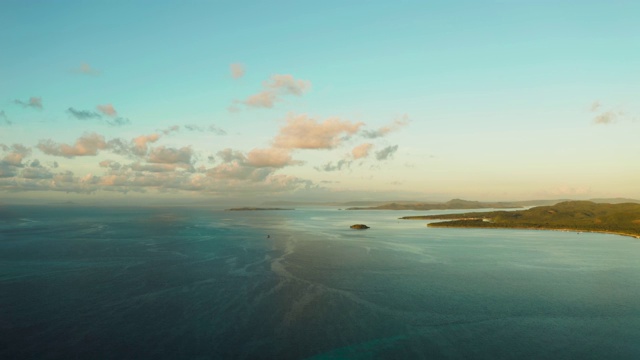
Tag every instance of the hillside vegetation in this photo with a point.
(623, 218)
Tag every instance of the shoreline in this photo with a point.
(636, 236)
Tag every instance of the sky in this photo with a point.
(248, 101)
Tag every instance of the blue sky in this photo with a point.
(482, 100)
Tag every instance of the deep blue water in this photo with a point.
(184, 283)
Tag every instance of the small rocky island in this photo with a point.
(359, 227)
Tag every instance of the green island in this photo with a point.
(620, 219)
(255, 209)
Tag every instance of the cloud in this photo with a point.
(119, 121)
(271, 157)
(17, 153)
(287, 84)
(256, 166)
(386, 153)
(107, 109)
(86, 69)
(302, 132)
(4, 117)
(140, 143)
(607, 117)
(361, 151)
(170, 129)
(164, 155)
(113, 165)
(7, 171)
(274, 89)
(36, 173)
(237, 169)
(264, 99)
(395, 125)
(86, 145)
(211, 128)
(13, 161)
(237, 70)
(104, 110)
(229, 155)
(331, 167)
(159, 167)
(33, 102)
(83, 114)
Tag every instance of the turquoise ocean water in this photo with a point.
(197, 283)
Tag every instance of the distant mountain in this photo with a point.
(334, 203)
(449, 205)
(255, 209)
(434, 205)
(615, 200)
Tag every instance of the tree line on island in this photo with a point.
(621, 218)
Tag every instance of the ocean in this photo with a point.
(197, 283)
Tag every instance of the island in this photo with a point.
(255, 209)
(449, 205)
(587, 216)
(360, 227)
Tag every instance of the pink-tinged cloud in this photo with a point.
(17, 154)
(107, 109)
(273, 89)
(86, 69)
(113, 165)
(265, 99)
(302, 132)
(361, 151)
(155, 168)
(14, 159)
(607, 117)
(86, 145)
(140, 143)
(383, 131)
(287, 84)
(164, 155)
(272, 157)
(34, 102)
(237, 70)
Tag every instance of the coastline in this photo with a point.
(636, 236)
